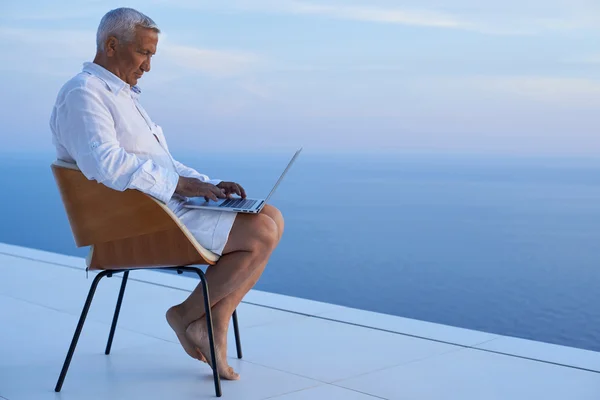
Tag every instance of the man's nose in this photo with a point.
(146, 65)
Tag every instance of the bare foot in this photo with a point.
(197, 334)
(176, 323)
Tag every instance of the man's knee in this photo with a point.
(276, 215)
(266, 233)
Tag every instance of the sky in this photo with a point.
(427, 76)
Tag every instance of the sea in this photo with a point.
(507, 245)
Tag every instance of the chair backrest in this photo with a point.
(116, 222)
(100, 214)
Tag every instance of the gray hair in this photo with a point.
(122, 23)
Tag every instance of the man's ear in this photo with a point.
(110, 47)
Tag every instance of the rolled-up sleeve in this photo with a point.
(188, 172)
(88, 134)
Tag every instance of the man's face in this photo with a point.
(131, 60)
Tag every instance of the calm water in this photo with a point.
(508, 246)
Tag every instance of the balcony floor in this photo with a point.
(293, 348)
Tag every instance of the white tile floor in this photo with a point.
(316, 351)
(472, 374)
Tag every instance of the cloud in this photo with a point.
(349, 12)
(222, 81)
(214, 63)
(57, 48)
(508, 17)
(76, 40)
(553, 91)
(46, 52)
(592, 59)
(256, 89)
(374, 14)
(64, 10)
(545, 88)
(501, 18)
(53, 15)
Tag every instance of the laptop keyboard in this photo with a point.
(238, 203)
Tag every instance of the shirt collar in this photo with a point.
(114, 83)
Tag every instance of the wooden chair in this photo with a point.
(126, 231)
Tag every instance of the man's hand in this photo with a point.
(231, 187)
(192, 187)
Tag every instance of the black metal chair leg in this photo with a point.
(84, 312)
(117, 311)
(236, 330)
(209, 326)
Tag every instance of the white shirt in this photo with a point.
(99, 124)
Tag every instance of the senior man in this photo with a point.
(99, 124)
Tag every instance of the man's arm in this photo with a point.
(188, 172)
(228, 188)
(87, 132)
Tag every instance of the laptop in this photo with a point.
(237, 204)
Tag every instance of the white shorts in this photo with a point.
(210, 228)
